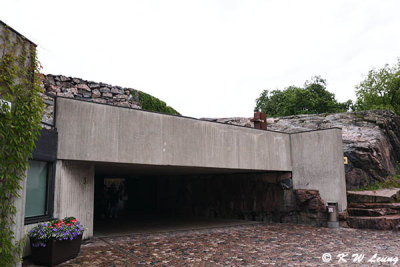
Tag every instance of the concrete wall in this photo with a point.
(19, 218)
(19, 42)
(74, 192)
(317, 159)
(103, 133)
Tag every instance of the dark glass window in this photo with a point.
(37, 189)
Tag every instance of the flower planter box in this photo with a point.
(56, 251)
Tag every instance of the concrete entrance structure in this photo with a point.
(90, 138)
(91, 134)
(98, 138)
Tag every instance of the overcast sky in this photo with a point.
(211, 58)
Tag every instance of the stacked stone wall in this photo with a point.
(59, 85)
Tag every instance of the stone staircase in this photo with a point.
(376, 209)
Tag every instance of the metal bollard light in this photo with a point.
(333, 215)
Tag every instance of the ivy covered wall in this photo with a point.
(20, 120)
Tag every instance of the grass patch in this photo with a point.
(359, 116)
(390, 183)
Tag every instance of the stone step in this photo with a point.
(373, 196)
(374, 212)
(395, 206)
(388, 222)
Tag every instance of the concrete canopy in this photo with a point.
(103, 133)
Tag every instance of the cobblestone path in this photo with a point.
(247, 245)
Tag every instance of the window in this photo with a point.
(37, 189)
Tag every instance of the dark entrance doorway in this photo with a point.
(153, 201)
(110, 198)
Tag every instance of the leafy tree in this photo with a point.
(312, 98)
(380, 89)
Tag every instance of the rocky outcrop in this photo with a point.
(311, 208)
(371, 140)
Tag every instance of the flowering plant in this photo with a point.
(68, 228)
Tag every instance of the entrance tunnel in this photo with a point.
(139, 198)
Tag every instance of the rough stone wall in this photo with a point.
(59, 85)
(230, 196)
(240, 196)
(311, 209)
(48, 112)
(371, 140)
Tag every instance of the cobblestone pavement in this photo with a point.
(247, 245)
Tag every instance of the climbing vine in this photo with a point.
(19, 128)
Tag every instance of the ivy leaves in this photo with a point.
(19, 127)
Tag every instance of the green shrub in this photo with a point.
(152, 103)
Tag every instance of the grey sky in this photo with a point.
(211, 58)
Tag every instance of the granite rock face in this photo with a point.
(310, 207)
(236, 196)
(371, 140)
(251, 197)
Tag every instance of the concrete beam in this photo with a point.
(103, 133)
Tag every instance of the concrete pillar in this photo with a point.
(74, 193)
(317, 158)
(18, 227)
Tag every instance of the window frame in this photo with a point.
(49, 205)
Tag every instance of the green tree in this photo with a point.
(312, 98)
(380, 89)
